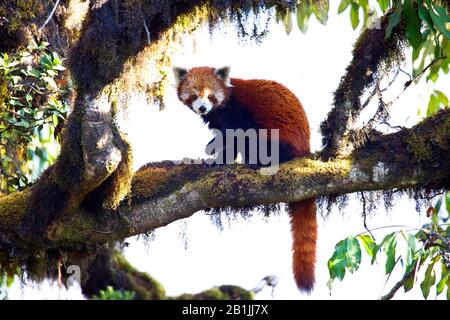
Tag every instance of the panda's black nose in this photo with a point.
(202, 109)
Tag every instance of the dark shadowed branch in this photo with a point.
(372, 52)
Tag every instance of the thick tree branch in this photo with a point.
(371, 53)
(165, 192)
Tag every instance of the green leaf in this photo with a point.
(51, 83)
(43, 45)
(354, 15)
(51, 73)
(56, 59)
(336, 264)
(411, 250)
(437, 100)
(46, 61)
(287, 21)
(425, 15)
(441, 11)
(369, 245)
(384, 4)
(34, 73)
(59, 68)
(15, 102)
(303, 14)
(9, 281)
(440, 23)
(394, 19)
(320, 10)
(429, 279)
(353, 254)
(448, 288)
(55, 120)
(441, 97)
(441, 284)
(433, 106)
(389, 247)
(409, 283)
(347, 256)
(22, 123)
(413, 24)
(343, 5)
(16, 79)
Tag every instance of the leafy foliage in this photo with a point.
(111, 294)
(33, 107)
(426, 23)
(428, 249)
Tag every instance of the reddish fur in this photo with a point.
(273, 106)
(304, 237)
(201, 78)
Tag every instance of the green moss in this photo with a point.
(18, 11)
(158, 179)
(67, 233)
(142, 284)
(442, 136)
(12, 209)
(226, 292)
(3, 92)
(419, 146)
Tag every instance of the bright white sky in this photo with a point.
(248, 250)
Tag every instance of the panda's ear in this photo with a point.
(179, 74)
(224, 74)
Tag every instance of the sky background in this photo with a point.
(192, 255)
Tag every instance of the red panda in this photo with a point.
(230, 103)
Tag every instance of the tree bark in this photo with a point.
(93, 171)
(164, 192)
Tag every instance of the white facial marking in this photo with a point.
(202, 105)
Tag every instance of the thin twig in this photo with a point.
(378, 90)
(410, 77)
(49, 16)
(365, 215)
(393, 226)
(391, 126)
(392, 80)
(417, 77)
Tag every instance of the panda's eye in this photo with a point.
(211, 97)
(193, 97)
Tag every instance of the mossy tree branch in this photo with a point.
(95, 159)
(165, 192)
(373, 55)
